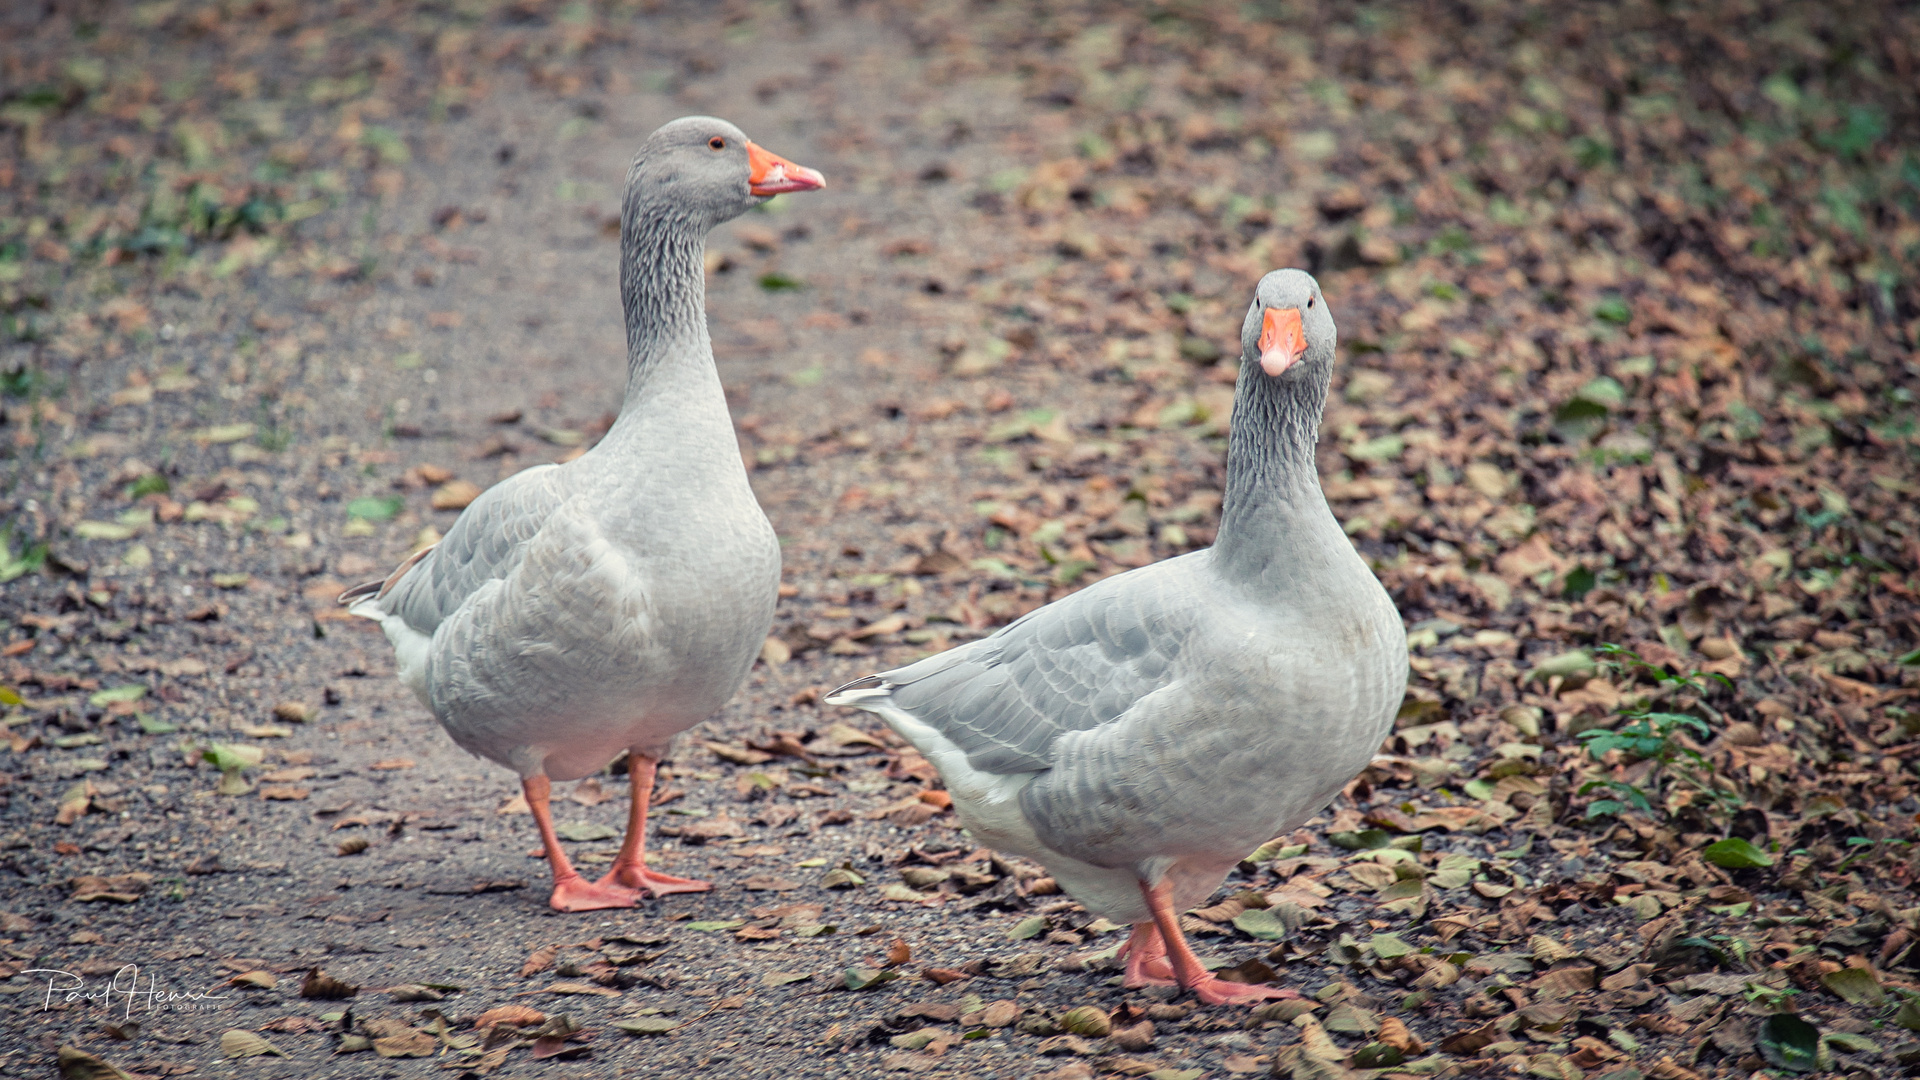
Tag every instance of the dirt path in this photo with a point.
(977, 372)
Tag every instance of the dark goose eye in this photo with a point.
(717, 143)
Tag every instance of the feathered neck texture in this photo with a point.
(663, 288)
(1273, 482)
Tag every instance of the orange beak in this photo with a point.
(773, 174)
(1282, 340)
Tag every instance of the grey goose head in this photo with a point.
(707, 171)
(1288, 329)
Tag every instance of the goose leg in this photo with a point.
(571, 892)
(630, 866)
(1146, 958)
(1187, 969)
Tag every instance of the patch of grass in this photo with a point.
(1657, 737)
(31, 557)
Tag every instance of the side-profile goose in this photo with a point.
(575, 611)
(1143, 735)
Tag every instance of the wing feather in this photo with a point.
(1073, 665)
(486, 544)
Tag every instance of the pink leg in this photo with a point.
(630, 866)
(1146, 958)
(571, 892)
(1186, 966)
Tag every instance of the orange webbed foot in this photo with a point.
(577, 894)
(652, 882)
(1215, 991)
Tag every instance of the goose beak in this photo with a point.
(1282, 340)
(772, 174)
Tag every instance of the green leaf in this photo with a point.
(1028, 928)
(1383, 448)
(151, 726)
(648, 1025)
(1567, 663)
(1908, 1015)
(711, 925)
(1856, 985)
(1613, 310)
(1735, 853)
(1275, 849)
(232, 759)
(375, 507)
(1910, 658)
(129, 692)
(10, 696)
(1850, 1043)
(1788, 1042)
(868, 978)
(150, 484)
(1260, 923)
(1454, 871)
(1579, 418)
(1361, 840)
(842, 878)
(780, 283)
(1390, 947)
(1377, 1056)
(102, 530)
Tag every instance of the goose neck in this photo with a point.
(663, 291)
(1273, 499)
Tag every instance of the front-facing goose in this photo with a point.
(576, 611)
(1143, 735)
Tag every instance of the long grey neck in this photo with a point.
(1273, 503)
(664, 291)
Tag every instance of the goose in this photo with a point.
(604, 605)
(1140, 737)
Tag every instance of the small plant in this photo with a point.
(1652, 736)
(31, 557)
(1863, 847)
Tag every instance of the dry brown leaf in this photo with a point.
(538, 960)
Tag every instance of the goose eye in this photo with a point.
(717, 143)
(1309, 301)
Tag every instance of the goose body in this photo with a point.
(577, 611)
(1143, 735)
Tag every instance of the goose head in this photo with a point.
(1288, 329)
(710, 171)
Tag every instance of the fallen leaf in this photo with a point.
(581, 988)
(120, 889)
(320, 986)
(648, 1025)
(77, 1064)
(455, 495)
(238, 1043)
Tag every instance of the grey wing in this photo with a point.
(485, 544)
(1070, 666)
